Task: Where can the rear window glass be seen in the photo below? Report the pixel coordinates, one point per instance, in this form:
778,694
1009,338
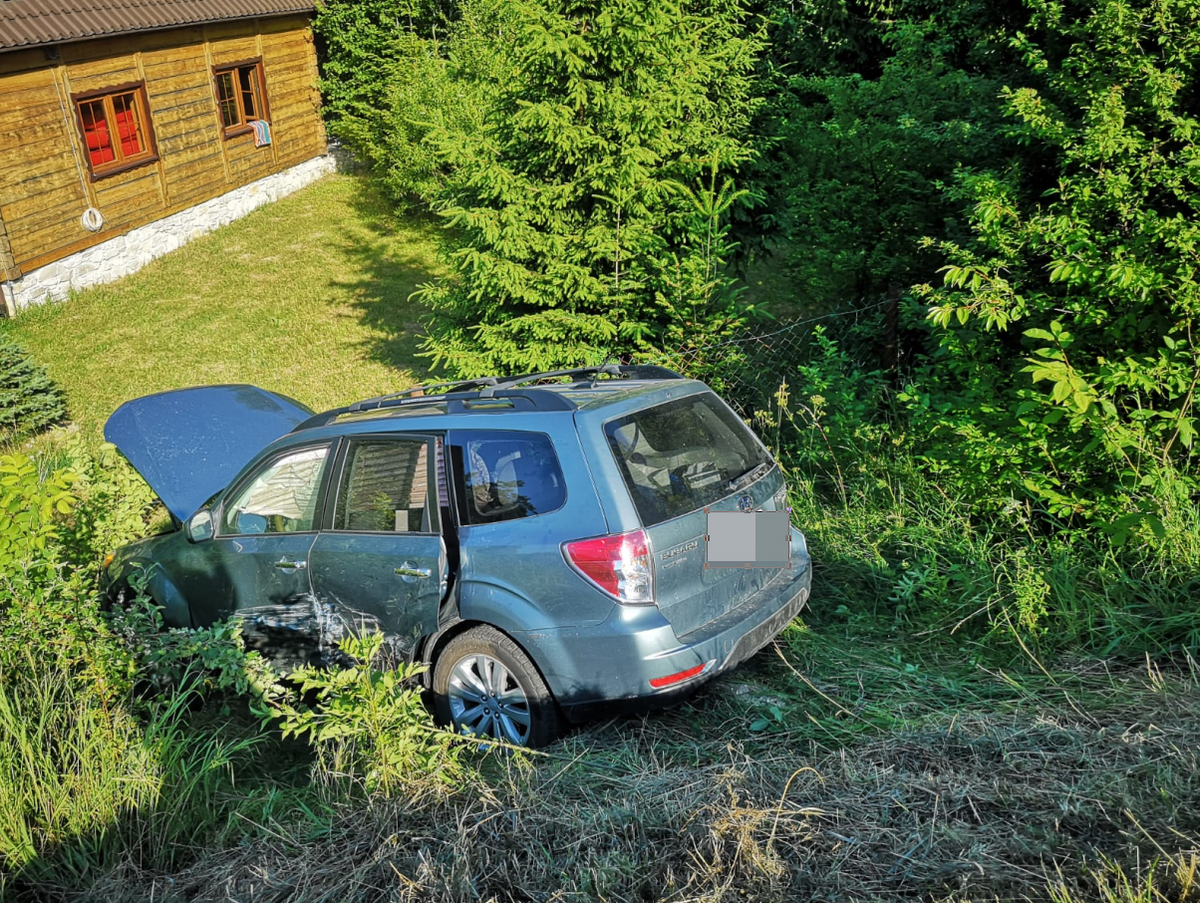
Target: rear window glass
682,455
504,474
385,488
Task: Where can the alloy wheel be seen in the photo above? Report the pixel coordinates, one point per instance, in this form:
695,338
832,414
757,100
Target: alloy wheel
486,699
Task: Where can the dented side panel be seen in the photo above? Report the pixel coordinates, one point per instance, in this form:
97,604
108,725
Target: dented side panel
392,582
250,573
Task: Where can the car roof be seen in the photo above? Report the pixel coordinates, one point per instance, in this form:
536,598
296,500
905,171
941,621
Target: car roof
563,391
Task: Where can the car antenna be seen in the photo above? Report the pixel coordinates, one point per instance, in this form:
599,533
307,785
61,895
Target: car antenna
599,370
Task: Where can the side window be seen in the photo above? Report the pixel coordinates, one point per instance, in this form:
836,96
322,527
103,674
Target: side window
116,128
241,96
282,498
502,475
385,488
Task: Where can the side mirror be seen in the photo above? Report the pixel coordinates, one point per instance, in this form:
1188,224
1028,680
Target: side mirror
199,526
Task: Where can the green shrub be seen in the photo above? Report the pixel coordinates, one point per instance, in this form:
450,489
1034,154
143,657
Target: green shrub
904,556
29,401
904,550
1067,359
204,660
112,503
88,769
31,511
833,412
370,723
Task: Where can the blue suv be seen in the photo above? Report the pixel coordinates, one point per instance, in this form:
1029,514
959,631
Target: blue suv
541,542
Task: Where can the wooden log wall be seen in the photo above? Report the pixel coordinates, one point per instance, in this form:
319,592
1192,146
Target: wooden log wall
45,184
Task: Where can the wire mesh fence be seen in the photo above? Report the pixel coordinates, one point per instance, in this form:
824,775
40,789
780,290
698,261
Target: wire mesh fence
749,368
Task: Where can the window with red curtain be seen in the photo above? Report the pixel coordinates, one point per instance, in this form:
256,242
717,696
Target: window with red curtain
115,127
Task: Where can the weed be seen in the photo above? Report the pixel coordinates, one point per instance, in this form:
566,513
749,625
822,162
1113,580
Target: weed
367,722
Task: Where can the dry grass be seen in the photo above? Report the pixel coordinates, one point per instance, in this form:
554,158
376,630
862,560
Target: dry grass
1052,788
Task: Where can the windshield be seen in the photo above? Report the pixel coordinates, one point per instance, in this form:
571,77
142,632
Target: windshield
683,455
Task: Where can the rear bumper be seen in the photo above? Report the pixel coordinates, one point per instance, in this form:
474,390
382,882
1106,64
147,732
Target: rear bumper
610,667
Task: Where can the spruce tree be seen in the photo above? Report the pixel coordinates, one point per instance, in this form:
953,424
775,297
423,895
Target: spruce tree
591,209
29,401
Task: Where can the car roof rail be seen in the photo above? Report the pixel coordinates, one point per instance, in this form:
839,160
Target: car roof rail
613,371
493,387
537,399
461,385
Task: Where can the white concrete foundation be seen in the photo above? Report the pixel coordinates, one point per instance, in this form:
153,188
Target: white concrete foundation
128,253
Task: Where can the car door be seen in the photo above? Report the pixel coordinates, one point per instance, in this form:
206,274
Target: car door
260,552
381,560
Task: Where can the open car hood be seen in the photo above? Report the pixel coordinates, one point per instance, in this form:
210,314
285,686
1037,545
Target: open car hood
188,444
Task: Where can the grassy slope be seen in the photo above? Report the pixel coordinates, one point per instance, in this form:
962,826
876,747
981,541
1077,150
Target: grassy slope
891,767
308,297
877,783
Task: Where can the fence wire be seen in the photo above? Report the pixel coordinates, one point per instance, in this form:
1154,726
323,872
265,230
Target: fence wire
748,369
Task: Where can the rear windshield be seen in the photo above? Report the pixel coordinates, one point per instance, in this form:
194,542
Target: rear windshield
682,455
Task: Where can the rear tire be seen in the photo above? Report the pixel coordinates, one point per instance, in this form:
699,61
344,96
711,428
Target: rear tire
485,684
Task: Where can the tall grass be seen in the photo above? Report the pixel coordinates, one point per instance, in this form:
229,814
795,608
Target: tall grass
1168,878
84,783
69,768
896,553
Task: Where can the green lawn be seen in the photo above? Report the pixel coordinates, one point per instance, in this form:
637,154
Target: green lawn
307,296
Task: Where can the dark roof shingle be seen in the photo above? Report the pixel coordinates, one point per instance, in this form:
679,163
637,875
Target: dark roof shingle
25,23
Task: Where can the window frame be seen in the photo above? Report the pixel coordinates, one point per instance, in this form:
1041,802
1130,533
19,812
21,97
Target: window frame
243,127
457,468
319,511
141,105
342,465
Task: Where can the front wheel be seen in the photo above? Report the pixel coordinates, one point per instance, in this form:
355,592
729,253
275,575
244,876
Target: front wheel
484,684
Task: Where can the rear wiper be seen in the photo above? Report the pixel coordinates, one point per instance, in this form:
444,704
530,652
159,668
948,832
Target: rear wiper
749,476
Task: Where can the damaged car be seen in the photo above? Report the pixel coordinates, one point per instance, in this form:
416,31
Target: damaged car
540,542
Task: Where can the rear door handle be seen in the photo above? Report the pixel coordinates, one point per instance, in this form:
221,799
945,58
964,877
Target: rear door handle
409,571
284,565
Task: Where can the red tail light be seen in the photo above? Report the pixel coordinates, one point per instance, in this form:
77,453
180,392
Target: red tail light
619,564
679,677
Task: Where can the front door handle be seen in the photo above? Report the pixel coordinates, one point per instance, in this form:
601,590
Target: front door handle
409,572
284,565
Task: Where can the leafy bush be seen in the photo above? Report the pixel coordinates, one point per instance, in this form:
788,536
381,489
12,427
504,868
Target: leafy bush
858,165
30,510
903,551
203,661
112,503
369,723
1067,359
835,408
29,401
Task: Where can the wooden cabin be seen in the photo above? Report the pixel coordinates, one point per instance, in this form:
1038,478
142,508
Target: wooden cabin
130,126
